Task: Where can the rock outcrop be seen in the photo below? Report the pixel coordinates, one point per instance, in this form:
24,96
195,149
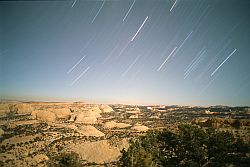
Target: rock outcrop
95,109
100,152
106,108
140,128
89,130
72,117
22,108
81,118
62,113
113,124
87,117
44,115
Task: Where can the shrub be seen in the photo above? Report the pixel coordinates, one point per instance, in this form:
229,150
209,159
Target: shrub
191,146
64,159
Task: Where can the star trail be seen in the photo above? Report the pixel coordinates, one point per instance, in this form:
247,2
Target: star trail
128,11
76,64
186,52
223,61
166,59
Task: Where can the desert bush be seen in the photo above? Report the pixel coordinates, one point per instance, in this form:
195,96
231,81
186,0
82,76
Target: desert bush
190,146
65,159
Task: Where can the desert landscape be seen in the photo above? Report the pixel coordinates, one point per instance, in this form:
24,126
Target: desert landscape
33,133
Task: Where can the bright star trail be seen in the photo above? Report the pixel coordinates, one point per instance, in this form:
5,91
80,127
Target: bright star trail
139,28
173,5
136,51
224,61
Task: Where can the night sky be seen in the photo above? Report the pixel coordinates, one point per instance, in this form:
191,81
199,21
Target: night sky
184,52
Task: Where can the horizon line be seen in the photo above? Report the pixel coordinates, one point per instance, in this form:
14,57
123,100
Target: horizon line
114,103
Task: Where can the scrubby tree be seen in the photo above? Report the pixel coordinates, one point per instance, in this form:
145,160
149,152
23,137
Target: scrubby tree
190,146
65,159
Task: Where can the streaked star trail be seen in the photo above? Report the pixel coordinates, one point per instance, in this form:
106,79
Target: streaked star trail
73,3
224,61
130,66
183,42
72,68
195,59
79,76
139,28
129,10
98,12
208,84
166,59
173,5
184,52
194,63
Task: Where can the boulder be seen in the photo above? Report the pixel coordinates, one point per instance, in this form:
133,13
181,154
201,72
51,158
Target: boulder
1,132
89,130
44,115
23,108
88,117
95,109
140,128
82,118
106,108
109,125
72,117
62,113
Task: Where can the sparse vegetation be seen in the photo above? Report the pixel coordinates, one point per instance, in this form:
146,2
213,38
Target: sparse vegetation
190,146
65,160
28,141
